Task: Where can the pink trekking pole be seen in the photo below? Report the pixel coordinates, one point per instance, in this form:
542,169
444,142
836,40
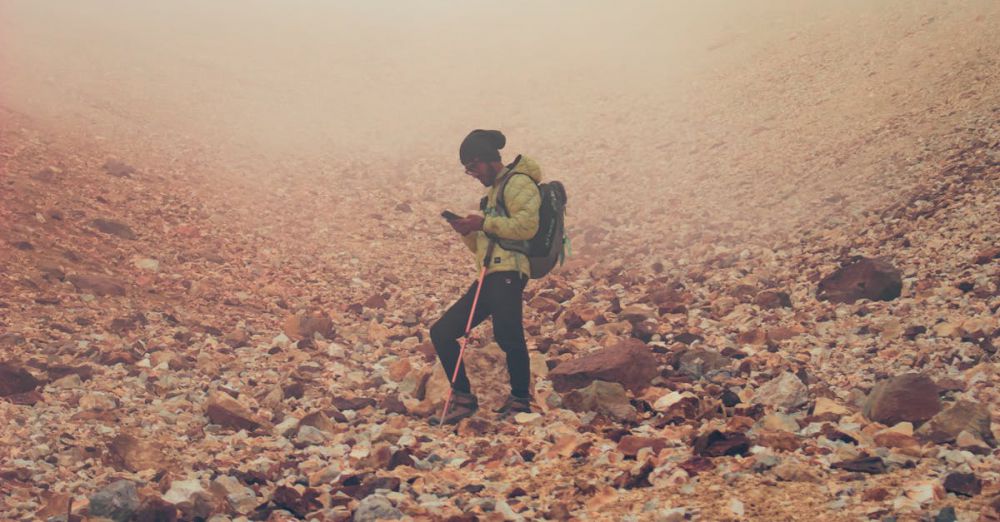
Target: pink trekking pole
468,328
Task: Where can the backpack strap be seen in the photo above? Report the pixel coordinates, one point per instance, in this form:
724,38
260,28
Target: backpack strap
509,173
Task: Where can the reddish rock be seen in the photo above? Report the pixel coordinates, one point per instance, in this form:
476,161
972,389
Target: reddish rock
629,363
781,333
544,304
427,350
237,338
645,330
97,284
669,300
285,497
114,228
561,294
630,445
987,255
910,397
118,169
320,421
778,440
875,495
870,465
128,452
226,411
863,279
965,484
696,465
16,380
375,301
755,337
573,320
718,444
771,299
306,324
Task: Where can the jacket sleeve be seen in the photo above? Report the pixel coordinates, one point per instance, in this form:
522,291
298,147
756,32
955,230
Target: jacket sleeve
523,200
470,240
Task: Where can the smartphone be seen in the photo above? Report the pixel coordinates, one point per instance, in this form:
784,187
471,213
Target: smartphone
450,216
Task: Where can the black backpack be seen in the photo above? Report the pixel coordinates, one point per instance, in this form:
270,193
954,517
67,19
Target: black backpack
548,245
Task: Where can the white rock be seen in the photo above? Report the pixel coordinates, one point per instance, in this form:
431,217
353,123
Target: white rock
98,401
240,498
736,507
924,492
668,400
310,435
785,391
69,382
671,515
147,264
184,491
532,418
825,405
286,427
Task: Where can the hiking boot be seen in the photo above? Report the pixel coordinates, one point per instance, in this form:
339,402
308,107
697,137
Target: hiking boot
462,405
514,405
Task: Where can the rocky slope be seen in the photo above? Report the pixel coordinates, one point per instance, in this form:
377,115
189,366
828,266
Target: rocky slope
800,261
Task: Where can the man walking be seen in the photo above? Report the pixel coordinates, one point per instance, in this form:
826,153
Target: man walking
493,238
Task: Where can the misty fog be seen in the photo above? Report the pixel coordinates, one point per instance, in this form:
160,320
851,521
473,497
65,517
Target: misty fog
726,116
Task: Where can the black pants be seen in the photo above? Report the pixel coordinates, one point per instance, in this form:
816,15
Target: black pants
501,299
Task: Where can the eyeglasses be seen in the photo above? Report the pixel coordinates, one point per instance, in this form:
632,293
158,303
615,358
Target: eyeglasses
469,166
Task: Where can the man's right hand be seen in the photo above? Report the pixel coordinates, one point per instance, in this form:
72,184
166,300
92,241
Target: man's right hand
461,226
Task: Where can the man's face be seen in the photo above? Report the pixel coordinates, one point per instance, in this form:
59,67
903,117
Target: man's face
481,170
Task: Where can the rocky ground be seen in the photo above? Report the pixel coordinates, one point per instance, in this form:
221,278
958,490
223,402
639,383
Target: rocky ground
783,303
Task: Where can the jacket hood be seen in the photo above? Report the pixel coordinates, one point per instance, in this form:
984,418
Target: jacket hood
526,165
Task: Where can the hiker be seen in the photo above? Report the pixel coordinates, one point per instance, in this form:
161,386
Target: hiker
507,272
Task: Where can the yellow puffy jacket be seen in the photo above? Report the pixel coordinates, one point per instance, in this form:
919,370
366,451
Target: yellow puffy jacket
522,199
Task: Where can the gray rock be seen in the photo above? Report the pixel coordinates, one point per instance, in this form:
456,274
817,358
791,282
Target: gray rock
119,501
376,507
698,363
607,398
785,391
961,416
309,436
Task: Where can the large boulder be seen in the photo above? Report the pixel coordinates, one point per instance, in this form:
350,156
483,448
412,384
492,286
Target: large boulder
911,397
14,380
629,363
862,279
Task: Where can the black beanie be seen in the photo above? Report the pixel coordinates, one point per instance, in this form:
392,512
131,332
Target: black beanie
481,144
